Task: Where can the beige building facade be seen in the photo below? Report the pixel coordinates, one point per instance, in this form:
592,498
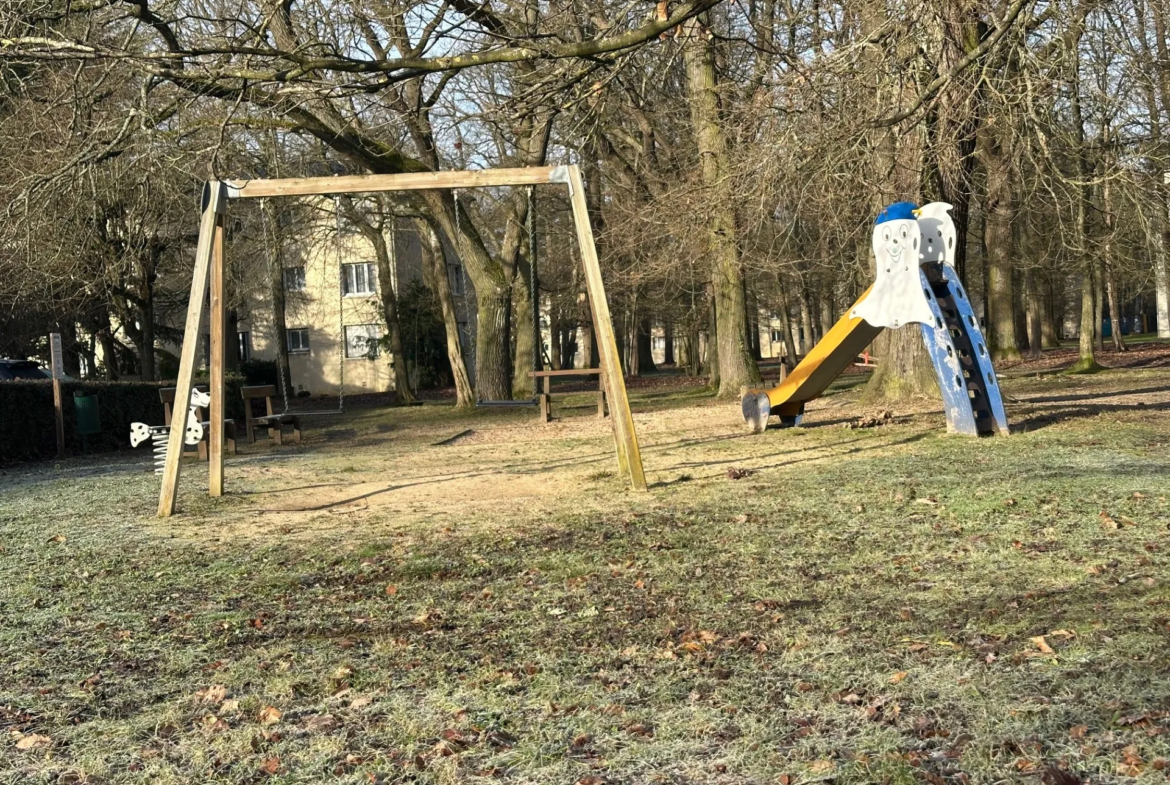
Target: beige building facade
334,313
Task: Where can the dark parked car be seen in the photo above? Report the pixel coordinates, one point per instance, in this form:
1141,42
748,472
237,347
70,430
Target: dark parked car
21,369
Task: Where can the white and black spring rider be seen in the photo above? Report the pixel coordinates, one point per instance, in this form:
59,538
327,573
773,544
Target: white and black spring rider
160,434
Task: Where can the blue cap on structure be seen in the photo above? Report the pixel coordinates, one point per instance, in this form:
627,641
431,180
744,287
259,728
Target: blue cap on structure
898,211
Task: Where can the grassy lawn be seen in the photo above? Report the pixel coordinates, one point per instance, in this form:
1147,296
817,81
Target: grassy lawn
387,603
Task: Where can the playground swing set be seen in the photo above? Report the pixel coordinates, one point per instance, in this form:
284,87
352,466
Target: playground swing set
209,274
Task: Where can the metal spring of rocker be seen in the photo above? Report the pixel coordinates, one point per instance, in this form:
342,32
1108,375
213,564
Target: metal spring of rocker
158,443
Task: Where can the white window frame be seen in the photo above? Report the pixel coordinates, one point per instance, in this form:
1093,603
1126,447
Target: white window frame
300,279
372,331
350,279
306,345
244,345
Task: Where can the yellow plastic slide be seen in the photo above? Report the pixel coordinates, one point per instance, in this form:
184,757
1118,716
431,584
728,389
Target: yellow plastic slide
824,363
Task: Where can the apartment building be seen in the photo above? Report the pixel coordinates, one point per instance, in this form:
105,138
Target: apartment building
334,315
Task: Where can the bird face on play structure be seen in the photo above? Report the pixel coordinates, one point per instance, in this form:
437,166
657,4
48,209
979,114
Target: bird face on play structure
897,297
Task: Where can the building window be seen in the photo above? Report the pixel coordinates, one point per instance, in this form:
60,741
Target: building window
361,341
294,279
776,336
244,341
455,277
357,279
298,340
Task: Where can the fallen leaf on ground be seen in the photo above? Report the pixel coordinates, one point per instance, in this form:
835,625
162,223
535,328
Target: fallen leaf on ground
1078,731
33,741
1042,645
391,590
1131,762
213,694
897,677
270,765
320,723
270,715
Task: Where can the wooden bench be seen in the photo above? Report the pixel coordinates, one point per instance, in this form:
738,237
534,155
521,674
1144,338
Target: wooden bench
273,422
167,396
544,398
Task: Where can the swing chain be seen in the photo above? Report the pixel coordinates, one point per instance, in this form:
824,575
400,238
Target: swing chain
275,335
534,281
340,300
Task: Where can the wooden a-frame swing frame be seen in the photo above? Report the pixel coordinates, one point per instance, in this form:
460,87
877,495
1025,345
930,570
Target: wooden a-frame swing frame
209,273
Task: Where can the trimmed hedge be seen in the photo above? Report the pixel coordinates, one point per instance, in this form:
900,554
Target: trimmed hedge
28,425
261,372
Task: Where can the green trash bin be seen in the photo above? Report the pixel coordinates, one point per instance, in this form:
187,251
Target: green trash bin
89,420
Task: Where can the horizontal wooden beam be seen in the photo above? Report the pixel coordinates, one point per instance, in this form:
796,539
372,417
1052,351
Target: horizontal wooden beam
565,372
420,181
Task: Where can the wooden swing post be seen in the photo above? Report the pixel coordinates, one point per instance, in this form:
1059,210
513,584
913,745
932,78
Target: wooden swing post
209,268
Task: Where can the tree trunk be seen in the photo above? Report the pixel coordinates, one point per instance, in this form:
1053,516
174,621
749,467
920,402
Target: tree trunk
1049,334
1110,284
713,367
998,239
735,364
753,325
806,330
645,346
434,257
668,343
386,253
1162,186
1162,267
524,342
493,296
790,354
145,342
276,292
109,354
694,367
904,368
1114,310
1098,306
231,355
826,304
1033,310
1087,361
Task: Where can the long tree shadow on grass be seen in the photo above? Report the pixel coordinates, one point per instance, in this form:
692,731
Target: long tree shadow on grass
1090,396
1044,419
437,479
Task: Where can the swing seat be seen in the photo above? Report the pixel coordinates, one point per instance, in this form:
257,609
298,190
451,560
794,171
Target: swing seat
273,422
